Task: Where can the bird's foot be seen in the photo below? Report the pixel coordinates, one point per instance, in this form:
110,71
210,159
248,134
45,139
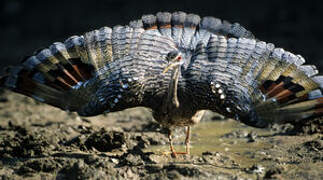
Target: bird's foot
175,154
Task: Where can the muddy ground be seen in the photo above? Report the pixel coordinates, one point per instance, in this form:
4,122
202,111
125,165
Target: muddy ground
41,142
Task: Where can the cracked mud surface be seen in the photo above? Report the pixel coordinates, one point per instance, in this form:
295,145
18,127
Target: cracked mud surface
38,141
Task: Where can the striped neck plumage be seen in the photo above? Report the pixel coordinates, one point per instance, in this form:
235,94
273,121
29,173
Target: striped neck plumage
176,61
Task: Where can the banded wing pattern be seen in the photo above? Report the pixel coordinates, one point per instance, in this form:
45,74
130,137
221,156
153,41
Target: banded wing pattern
92,73
256,82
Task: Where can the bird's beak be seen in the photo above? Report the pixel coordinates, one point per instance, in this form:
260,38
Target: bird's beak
174,64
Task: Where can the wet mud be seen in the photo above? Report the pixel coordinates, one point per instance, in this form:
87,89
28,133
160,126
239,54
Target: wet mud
41,142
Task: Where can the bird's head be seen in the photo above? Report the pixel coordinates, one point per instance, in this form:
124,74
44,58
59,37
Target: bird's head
175,60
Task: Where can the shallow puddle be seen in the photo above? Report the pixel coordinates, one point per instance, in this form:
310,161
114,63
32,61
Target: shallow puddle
226,137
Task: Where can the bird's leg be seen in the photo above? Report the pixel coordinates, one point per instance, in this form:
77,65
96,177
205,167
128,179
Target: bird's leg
173,153
187,139
187,142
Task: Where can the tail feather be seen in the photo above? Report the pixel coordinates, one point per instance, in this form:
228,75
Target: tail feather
164,23
188,29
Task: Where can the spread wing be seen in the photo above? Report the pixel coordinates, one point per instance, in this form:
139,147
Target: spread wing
112,69
101,71
254,82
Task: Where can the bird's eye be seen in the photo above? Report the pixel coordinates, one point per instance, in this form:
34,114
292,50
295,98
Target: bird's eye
172,55
179,58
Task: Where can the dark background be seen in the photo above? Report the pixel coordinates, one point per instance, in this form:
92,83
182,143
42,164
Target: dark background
27,25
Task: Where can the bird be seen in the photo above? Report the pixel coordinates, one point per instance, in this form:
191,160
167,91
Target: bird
178,65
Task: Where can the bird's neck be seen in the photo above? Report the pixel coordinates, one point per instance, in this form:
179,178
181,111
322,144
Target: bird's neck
172,98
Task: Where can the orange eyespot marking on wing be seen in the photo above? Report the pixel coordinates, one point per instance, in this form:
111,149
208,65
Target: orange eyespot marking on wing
165,26
152,27
178,26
